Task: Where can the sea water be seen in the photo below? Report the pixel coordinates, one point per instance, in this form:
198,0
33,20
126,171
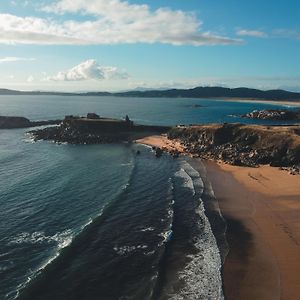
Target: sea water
100,221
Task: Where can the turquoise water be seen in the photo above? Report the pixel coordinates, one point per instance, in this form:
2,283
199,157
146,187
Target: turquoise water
99,221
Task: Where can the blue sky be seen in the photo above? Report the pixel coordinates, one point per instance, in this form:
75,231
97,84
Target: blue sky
77,45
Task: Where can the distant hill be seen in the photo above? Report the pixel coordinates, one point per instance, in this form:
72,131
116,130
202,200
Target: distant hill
217,92
198,92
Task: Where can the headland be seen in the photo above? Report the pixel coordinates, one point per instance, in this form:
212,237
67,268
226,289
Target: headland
22,122
94,129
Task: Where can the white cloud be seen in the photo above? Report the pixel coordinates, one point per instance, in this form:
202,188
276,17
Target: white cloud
252,33
30,79
87,70
14,59
108,22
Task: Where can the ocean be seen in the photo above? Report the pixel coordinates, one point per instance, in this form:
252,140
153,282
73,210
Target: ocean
100,221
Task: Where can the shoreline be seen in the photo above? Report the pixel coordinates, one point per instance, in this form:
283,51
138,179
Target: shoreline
262,209
272,102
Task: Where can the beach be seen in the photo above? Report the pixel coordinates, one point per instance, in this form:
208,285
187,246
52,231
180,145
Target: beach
273,102
262,206
262,210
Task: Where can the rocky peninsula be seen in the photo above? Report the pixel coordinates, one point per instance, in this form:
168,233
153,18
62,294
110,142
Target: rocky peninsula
94,129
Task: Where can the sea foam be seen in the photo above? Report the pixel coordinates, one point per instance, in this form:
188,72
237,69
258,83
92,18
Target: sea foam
62,239
202,274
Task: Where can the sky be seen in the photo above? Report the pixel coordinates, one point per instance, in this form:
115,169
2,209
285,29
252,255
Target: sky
116,45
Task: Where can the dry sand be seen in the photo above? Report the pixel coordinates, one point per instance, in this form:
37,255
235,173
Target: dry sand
163,142
262,209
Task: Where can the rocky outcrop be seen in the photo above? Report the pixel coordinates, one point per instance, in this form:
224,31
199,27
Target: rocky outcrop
244,145
21,122
76,130
273,114
13,122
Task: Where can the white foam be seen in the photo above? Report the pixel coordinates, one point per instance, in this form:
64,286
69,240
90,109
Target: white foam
148,229
127,164
63,238
123,250
166,235
202,274
187,180
197,180
29,138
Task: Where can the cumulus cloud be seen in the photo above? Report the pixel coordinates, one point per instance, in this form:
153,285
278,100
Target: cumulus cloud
108,22
14,59
87,70
252,33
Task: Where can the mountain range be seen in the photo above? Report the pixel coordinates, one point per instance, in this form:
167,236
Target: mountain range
198,92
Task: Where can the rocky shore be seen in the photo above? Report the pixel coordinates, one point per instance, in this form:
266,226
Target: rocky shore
95,130
273,114
242,145
21,122
235,144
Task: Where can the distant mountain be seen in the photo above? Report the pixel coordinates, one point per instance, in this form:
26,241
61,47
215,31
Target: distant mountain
14,92
217,92
198,92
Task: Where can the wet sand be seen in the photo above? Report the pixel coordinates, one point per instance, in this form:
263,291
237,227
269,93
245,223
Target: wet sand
262,210
262,206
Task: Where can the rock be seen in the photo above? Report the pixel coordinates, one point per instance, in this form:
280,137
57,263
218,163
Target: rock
241,144
92,116
273,114
158,152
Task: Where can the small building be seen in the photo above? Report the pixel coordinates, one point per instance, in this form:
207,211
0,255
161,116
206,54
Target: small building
92,116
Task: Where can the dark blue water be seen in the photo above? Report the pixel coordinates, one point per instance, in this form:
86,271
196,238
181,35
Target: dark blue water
99,221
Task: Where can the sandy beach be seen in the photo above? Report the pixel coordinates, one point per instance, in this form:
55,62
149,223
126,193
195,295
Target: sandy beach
262,207
273,102
262,210
163,142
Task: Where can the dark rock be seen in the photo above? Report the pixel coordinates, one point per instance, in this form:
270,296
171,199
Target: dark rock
158,152
13,122
273,114
92,116
240,144
21,122
76,130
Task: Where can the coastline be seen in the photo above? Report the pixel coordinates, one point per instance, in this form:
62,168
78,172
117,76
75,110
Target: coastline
273,102
262,210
